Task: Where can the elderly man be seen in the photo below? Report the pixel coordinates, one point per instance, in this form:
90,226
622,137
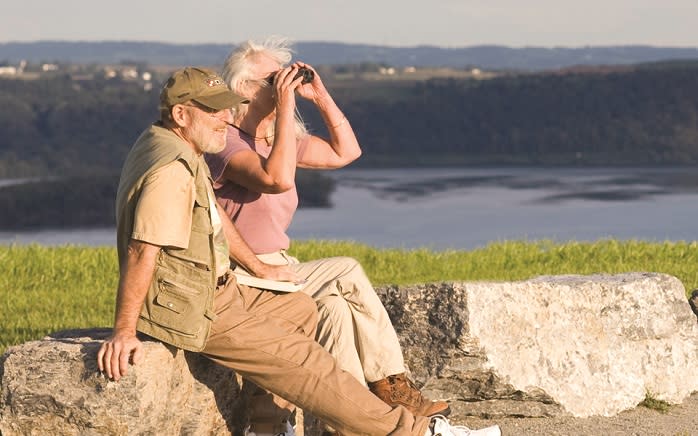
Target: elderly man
175,285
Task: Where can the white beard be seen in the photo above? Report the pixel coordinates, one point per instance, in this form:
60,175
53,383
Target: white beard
212,148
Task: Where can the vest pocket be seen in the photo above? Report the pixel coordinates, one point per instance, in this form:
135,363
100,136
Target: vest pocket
173,308
179,300
171,301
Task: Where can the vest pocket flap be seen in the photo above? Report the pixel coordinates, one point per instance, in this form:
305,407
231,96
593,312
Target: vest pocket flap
180,275
172,301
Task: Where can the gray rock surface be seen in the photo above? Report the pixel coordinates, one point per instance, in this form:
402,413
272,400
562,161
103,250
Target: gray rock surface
53,387
548,347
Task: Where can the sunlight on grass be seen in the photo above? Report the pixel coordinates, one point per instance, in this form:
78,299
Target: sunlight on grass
513,260
45,289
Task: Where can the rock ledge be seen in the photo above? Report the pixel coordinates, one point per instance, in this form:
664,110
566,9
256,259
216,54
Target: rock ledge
551,346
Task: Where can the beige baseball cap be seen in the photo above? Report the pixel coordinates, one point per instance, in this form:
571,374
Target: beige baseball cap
202,85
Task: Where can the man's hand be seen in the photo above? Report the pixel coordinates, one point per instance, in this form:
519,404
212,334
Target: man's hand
117,352
280,273
123,346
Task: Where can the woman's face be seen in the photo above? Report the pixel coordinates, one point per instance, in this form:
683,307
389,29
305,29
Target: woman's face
261,92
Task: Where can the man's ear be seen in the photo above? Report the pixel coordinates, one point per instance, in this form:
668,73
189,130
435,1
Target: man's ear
179,115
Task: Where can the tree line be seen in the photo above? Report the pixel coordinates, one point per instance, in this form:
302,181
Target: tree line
642,115
646,115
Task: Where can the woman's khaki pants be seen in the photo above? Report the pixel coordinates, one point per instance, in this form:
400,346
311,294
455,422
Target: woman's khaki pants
353,324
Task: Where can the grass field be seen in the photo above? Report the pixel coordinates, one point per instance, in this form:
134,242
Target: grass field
45,289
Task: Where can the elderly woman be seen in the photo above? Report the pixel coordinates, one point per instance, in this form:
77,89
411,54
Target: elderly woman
254,181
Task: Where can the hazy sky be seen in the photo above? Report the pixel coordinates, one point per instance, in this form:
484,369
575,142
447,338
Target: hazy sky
446,23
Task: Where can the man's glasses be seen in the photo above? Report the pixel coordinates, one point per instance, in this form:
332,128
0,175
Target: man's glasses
214,113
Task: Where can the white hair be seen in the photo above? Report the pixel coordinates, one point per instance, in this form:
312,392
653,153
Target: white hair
237,70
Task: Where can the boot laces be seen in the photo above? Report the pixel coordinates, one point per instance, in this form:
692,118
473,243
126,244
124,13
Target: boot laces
402,388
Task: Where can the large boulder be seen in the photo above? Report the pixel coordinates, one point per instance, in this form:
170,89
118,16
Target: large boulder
551,346
53,386
556,345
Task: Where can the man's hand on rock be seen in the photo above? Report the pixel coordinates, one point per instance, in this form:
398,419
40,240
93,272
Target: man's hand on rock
117,352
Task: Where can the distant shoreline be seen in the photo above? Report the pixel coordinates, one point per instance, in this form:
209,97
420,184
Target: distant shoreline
488,56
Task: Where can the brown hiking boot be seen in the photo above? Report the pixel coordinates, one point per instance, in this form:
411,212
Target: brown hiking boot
399,390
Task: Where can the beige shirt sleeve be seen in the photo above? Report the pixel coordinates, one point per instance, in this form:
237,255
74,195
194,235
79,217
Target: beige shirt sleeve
164,210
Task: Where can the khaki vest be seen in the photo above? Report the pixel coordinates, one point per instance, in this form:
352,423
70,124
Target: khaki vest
178,308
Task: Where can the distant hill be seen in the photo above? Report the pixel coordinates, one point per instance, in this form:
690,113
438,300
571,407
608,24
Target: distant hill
623,115
333,53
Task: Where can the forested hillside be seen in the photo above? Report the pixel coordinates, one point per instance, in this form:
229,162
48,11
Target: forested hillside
646,115
59,126
642,115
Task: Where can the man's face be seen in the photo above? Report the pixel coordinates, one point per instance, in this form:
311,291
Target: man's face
207,127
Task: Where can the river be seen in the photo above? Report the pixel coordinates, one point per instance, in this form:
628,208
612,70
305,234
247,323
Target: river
465,208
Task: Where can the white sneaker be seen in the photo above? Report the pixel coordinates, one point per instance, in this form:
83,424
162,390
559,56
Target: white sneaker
440,426
288,432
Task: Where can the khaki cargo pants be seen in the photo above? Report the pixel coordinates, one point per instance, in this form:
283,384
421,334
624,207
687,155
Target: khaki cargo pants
267,338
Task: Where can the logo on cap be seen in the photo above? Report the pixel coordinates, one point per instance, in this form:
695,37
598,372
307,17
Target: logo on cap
216,81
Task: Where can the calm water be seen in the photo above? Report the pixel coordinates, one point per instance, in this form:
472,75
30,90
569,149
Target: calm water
468,208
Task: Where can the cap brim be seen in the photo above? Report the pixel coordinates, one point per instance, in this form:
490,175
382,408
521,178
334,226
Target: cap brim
222,100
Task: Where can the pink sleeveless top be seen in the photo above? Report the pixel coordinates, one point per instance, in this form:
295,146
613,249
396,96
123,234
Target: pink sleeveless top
261,219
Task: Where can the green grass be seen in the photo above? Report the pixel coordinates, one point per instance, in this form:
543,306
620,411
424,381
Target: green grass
514,260
45,289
